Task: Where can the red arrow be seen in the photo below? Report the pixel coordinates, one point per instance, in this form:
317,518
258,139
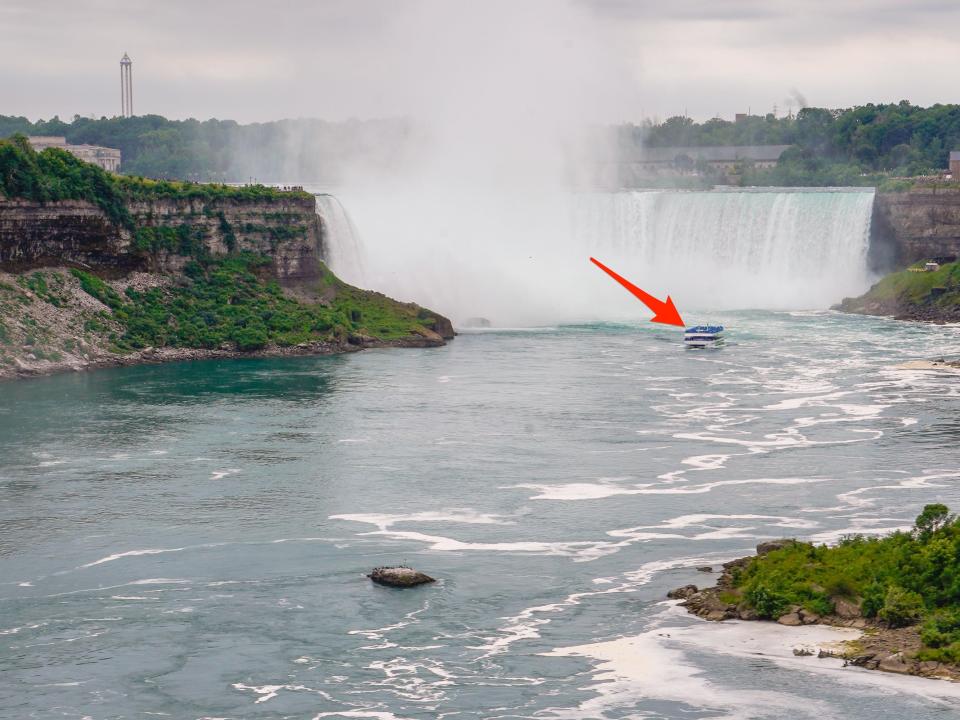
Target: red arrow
663,312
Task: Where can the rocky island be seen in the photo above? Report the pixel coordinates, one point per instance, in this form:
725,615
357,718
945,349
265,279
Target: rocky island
101,270
901,591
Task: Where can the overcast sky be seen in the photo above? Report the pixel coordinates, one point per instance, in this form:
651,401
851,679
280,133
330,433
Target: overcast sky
253,60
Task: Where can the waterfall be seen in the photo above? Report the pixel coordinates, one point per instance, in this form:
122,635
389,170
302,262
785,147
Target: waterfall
523,258
343,250
758,247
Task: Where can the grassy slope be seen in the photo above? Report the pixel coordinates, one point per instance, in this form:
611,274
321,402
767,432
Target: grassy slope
902,579
903,291
56,318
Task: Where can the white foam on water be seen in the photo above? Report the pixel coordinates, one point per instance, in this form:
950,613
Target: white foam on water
921,482
580,551
220,474
701,520
409,619
750,640
403,678
375,714
595,491
268,692
148,551
15,630
524,625
638,668
455,515
657,665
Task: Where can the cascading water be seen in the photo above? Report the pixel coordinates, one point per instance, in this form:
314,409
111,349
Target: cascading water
341,240
724,249
522,258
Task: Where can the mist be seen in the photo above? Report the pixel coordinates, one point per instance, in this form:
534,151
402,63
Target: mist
488,207
475,220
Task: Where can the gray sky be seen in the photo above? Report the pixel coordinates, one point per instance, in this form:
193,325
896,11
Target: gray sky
253,60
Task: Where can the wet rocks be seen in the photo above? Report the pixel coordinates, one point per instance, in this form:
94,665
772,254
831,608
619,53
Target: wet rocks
682,593
895,663
705,568
792,619
399,577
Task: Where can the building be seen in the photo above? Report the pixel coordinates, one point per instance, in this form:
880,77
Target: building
955,164
719,157
107,158
642,164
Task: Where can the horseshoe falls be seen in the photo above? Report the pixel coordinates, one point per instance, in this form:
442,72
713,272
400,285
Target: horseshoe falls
524,260
738,249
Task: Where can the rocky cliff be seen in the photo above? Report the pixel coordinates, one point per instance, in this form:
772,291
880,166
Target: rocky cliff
918,224
172,278
166,233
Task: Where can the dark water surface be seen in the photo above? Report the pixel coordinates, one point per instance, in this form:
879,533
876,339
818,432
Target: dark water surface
189,541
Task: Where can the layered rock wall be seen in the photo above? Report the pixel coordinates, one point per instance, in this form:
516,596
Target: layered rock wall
287,230
918,224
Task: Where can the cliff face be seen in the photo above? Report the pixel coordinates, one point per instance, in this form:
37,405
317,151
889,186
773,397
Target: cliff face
182,278
919,224
34,235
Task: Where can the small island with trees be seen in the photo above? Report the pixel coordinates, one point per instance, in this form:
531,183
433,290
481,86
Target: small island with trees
902,591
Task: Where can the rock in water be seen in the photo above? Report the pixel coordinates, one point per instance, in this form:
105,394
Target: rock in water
682,593
399,577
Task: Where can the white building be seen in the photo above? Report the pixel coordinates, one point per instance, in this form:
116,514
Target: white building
107,158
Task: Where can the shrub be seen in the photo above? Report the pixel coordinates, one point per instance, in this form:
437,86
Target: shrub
901,607
873,598
941,629
767,603
251,337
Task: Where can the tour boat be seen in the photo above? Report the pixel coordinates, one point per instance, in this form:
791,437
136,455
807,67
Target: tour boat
703,336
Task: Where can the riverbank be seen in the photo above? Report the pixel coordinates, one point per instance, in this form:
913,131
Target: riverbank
154,356
880,645
62,319
912,294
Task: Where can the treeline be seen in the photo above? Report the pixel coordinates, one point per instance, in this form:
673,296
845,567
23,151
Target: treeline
854,146
284,151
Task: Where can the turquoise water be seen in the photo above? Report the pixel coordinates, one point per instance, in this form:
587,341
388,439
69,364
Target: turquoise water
190,540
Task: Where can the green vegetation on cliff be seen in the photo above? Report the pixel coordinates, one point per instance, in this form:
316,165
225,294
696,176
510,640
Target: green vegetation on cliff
55,174
903,579
231,301
913,294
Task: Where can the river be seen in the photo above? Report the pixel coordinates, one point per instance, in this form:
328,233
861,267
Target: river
190,540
